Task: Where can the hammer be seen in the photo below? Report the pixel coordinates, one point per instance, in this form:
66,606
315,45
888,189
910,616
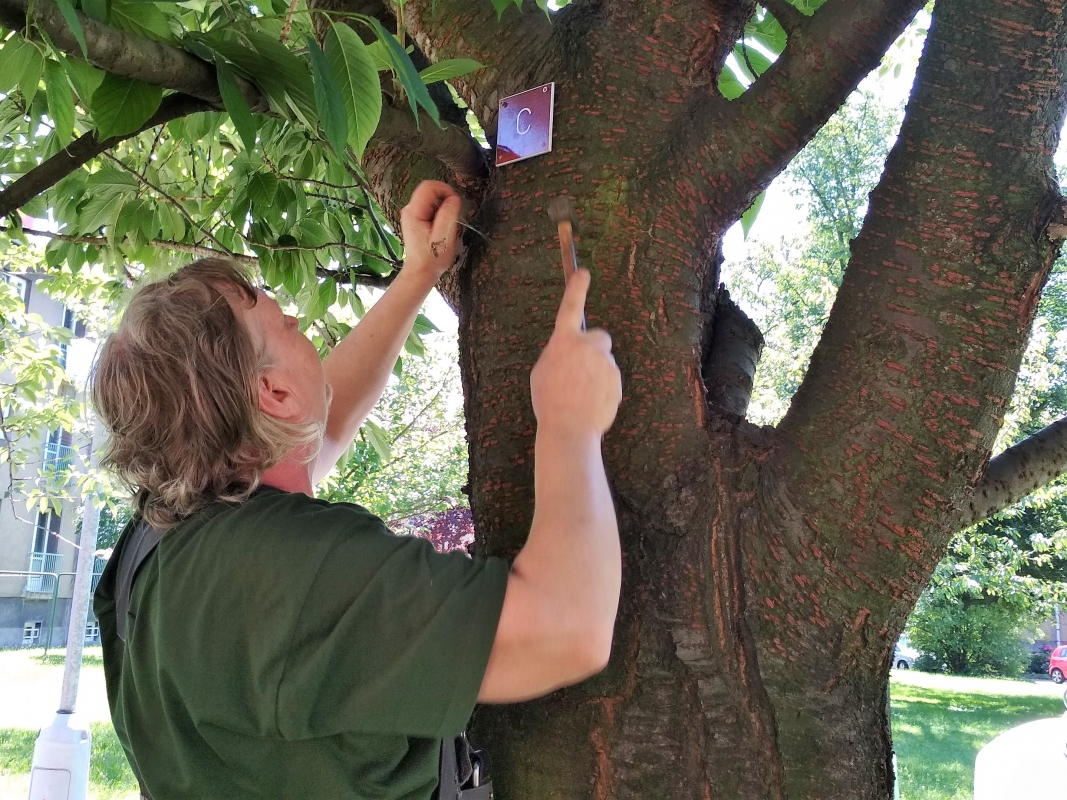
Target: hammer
561,212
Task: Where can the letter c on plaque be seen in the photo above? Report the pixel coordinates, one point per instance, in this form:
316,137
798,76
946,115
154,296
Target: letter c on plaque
518,123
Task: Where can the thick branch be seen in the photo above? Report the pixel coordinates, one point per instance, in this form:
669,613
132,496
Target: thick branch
787,15
452,146
377,281
162,65
826,57
729,365
1018,471
85,148
124,54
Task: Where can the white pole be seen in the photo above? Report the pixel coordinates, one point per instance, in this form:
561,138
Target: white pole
60,768
1057,618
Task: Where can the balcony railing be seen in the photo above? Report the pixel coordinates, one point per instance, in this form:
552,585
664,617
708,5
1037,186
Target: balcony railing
57,456
43,562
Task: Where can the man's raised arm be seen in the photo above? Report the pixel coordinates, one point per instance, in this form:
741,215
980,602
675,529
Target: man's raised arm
358,368
562,594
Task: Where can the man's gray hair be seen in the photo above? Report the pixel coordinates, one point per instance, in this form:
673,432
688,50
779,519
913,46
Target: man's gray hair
177,386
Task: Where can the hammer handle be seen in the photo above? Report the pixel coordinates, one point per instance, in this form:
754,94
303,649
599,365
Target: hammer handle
570,256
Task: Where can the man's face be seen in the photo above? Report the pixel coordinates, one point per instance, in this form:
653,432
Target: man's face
295,364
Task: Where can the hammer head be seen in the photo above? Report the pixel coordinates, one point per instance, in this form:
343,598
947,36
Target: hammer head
560,210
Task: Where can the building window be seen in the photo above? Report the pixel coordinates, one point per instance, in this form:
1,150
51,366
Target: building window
18,283
58,451
31,633
92,632
45,556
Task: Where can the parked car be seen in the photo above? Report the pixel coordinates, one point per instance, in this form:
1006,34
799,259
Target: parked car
1057,664
904,655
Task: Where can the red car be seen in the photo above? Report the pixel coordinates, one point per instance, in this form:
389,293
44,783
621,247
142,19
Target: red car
1057,664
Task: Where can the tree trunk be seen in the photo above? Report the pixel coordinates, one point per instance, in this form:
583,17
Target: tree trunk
767,573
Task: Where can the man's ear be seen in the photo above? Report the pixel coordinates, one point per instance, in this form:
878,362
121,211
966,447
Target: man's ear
277,400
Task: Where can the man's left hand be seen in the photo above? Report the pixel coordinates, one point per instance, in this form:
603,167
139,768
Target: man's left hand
430,228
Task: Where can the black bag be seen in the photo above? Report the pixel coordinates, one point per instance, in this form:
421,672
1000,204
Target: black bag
464,772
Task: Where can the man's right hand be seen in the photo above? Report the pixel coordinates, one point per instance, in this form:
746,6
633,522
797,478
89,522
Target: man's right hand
576,383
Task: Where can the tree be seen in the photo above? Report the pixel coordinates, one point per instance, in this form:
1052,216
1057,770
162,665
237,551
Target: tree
768,571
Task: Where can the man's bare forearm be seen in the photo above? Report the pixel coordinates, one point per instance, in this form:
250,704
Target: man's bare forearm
358,368
559,610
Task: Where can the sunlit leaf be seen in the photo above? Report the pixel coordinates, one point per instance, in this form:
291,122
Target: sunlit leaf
448,69
357,78
70,16
60,101
237,106
749,217
328,100
405,71
121,105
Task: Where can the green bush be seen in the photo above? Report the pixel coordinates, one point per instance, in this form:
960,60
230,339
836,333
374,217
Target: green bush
970,637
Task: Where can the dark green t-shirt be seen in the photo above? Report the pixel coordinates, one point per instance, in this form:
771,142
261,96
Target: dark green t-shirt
291,648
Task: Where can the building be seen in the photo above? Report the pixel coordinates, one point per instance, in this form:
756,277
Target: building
38,552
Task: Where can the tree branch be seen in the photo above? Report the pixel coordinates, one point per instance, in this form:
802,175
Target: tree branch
759,133
730,358
84,149
1018,471
125,54
787,15
375,281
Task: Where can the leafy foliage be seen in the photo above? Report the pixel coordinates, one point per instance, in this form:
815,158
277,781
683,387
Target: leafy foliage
968,637
410,464
284,187
37,396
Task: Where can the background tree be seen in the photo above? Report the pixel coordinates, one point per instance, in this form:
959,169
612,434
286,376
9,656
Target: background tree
768,571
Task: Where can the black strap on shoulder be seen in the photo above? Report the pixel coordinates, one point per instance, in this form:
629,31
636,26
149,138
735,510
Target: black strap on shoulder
143,540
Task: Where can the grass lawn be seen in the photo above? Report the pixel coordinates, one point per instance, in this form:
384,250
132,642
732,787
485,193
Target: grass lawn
31,688
940,722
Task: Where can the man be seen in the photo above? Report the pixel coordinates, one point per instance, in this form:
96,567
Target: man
280,646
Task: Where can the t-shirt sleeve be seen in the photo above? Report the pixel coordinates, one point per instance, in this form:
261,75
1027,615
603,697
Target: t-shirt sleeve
393,638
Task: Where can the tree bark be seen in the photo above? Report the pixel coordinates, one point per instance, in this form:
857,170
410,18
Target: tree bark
767,573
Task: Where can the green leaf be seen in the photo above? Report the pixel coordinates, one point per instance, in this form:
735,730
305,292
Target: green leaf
235,103
759,62
405,71
729,86
99,209
328,100
448,69
379,439
111,181
85,78
379,55
12,61
502,5
262,188
121,105
423,325
141,19
413,344
135,221
97,9
60,101
71,18
32,67
281,75
357,77
749,217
